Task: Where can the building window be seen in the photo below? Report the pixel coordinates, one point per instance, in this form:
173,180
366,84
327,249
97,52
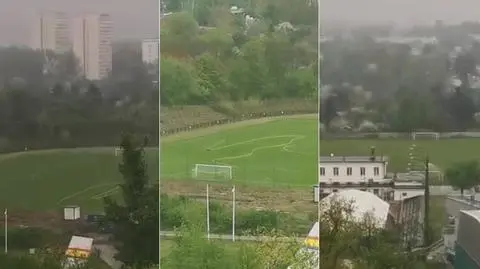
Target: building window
404,194
322,171
349,171
376,171
335,190
335,171
375,191
362,171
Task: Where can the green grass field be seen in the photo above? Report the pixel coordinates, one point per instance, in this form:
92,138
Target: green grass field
442,153
277,152
47,180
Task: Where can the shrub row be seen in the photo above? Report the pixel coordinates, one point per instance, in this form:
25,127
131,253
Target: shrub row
178,210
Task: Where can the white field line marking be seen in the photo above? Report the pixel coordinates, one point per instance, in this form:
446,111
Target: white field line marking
255,140
85,190
106,193
216,144
295,137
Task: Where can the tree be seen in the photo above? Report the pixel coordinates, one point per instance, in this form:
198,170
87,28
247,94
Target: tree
135,219
462,109
345,239
464,66
464,175
192,250
179,84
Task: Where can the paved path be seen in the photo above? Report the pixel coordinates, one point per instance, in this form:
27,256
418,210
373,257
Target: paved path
107,254
168,234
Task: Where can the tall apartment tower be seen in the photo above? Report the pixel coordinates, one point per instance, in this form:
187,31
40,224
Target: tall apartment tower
92,44
150,50
51,31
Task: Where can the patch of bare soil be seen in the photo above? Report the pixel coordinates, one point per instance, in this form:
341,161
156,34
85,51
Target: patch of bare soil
284,199
48,220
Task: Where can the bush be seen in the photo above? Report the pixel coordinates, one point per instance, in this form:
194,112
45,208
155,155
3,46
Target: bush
177,211
253,220
26,238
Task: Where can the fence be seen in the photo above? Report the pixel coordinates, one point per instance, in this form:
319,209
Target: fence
249,116
391,135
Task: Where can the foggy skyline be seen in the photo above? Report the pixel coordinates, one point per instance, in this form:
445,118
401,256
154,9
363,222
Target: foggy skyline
132,19
401,12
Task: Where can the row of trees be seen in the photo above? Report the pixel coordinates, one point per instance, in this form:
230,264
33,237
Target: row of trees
60,109
397,88
464,175
236,59
190,249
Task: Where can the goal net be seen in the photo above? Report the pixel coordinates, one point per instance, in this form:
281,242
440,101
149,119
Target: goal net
212,172
425,135
118,151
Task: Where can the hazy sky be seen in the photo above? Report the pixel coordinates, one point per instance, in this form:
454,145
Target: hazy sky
404,12
132,18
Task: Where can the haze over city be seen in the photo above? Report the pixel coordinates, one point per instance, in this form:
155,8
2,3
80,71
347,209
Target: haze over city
401,12
132,19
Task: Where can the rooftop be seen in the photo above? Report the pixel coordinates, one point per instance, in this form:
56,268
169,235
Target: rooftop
472,213
363,203
353,159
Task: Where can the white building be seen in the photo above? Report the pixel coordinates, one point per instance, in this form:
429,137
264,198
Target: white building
365,173
51,31
150,51
92,44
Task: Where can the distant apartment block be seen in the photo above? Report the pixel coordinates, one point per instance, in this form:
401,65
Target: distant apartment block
51,31
92,44
150,50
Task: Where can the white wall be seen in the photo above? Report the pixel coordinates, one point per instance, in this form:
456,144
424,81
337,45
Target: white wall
401,194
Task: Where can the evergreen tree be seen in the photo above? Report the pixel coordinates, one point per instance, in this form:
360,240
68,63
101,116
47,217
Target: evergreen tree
135,220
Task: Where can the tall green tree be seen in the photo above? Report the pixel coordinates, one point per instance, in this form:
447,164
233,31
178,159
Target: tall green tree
464,175
135,218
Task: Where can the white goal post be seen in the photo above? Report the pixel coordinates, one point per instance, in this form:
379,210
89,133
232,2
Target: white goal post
118,151
432,135
212,172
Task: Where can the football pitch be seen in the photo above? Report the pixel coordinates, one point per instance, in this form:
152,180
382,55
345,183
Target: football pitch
277,152
443,153
51,179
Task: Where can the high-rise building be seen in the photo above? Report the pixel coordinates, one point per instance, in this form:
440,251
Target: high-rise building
51,31
92,44
150,50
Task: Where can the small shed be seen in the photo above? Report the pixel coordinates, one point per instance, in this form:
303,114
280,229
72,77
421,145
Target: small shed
71,212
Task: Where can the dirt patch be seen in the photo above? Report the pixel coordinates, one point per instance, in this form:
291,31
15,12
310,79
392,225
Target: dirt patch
284,199
28,218
240,124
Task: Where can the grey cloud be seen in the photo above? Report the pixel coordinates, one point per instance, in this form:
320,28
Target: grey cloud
404,12
132,18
